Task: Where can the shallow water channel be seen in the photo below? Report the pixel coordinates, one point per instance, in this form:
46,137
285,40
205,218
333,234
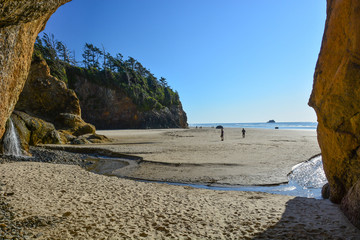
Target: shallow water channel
305,180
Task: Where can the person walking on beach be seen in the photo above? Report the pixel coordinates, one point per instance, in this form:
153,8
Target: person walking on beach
222,134
243,132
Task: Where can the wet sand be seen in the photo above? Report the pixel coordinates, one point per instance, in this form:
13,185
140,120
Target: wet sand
72,203
263,157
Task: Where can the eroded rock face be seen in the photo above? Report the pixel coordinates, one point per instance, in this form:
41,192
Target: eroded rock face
111,108
34,131
48,98
336,96
350,204
49,113
20,23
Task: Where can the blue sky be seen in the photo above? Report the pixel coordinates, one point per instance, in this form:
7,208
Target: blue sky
230,60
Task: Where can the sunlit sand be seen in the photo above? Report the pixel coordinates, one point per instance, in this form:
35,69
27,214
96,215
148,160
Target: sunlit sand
84,205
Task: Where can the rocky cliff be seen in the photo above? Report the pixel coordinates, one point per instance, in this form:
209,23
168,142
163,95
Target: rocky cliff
336,100
109,107
48,98
47,112
20,23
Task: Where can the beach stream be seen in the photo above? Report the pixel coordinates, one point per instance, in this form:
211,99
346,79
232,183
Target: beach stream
305,180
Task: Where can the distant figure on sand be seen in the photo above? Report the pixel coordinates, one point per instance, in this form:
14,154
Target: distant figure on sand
222,134
243,132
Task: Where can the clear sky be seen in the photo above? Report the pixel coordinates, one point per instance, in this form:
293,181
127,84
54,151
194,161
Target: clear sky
230,60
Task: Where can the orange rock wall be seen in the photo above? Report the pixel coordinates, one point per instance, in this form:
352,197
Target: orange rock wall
20,23
336,96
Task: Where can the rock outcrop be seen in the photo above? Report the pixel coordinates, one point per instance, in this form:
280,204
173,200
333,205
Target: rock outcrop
336,100
111,108
34,131
336,96
49,113
350,204
48,98
20,23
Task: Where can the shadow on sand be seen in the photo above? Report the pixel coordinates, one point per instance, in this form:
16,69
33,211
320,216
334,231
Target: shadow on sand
306,218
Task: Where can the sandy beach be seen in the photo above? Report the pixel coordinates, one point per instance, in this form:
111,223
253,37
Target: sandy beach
57,201
199,156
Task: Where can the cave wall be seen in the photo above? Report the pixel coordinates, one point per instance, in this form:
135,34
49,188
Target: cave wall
336,96
20,23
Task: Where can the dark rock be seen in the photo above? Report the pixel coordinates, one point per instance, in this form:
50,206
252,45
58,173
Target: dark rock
80,140
325,191
74,124
350,204
41,132
96,138
66,214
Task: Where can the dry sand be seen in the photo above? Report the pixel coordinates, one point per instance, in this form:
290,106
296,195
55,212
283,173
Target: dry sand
77,204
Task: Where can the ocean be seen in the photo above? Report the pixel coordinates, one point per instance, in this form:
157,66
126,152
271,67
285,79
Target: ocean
280,125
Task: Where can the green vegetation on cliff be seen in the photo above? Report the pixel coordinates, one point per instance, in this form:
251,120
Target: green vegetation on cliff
100,67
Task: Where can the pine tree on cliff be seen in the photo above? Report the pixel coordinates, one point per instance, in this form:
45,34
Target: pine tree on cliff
64,52
163,82
145,90
91,56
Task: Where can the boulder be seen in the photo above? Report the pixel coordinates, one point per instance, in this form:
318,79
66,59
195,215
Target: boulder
73,124
20,23
336,96
325,191
350,204
34,130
